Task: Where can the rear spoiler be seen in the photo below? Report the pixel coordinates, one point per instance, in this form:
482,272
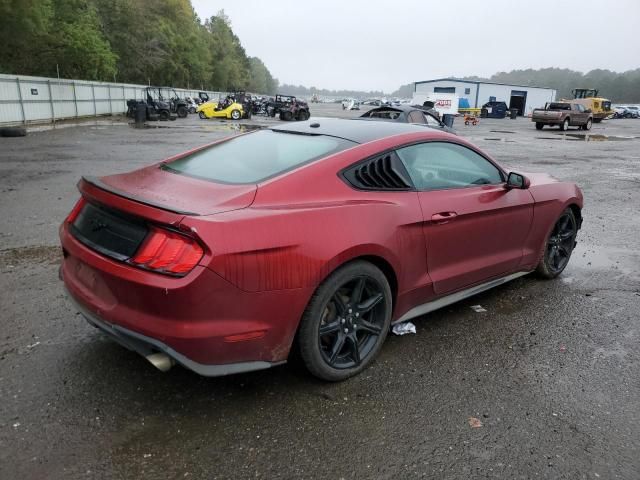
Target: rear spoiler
96,182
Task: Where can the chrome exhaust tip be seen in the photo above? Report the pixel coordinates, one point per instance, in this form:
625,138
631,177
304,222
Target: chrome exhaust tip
161,361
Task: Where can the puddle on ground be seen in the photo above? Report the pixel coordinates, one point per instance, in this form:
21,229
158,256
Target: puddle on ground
220,127
501,140
589,137
95,124
591,258
501,131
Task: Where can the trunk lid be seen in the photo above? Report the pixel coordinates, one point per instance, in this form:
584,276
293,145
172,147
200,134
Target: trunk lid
175,193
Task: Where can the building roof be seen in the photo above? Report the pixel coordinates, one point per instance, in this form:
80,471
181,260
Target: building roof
477,82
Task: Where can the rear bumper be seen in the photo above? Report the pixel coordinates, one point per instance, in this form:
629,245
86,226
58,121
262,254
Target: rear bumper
547,121
201,321
146,346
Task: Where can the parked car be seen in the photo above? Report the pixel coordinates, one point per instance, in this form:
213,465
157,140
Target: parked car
494,110
407,114
318,236
634,110
350,104
563,114
225,108
288,107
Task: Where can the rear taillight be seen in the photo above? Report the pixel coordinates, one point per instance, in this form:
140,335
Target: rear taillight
164,251
75,211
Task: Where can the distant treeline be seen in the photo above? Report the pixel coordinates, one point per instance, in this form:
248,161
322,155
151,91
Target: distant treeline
621,87
134,41
299,90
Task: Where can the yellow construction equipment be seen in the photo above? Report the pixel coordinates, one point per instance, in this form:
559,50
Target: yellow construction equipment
588,97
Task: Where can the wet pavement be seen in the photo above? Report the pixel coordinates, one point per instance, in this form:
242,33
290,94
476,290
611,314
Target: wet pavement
544,384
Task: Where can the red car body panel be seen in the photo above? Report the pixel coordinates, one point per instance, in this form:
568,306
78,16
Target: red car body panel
267,247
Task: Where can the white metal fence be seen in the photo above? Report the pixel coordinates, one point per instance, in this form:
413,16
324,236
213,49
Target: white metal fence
26,100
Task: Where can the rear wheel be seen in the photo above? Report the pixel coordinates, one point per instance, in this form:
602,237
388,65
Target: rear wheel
346,322
559,246
182,111
539,125
236,115
164,115
564,125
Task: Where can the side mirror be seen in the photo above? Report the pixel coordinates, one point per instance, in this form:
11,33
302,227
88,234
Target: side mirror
516,180
588,110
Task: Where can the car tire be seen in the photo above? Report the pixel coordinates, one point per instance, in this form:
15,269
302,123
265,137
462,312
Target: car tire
303,115
192,110
587,126
164,115
236,115
340,333
539,125
202,115
558,245
564,125
13,132
286,116
182,112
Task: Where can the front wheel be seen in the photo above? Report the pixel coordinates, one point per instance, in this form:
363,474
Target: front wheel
346,322
202,115
182,112
559,245
539,125
236,115
587,126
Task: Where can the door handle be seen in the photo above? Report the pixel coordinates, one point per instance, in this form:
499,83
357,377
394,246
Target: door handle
443,217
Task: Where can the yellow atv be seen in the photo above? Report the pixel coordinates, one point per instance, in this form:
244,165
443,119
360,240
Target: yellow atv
231,109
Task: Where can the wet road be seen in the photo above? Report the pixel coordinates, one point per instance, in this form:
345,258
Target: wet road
544,384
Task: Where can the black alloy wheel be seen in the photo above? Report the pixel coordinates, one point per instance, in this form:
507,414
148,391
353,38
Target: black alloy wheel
346,322
559,246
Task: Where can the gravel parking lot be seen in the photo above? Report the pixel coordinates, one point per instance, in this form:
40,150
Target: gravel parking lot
544,384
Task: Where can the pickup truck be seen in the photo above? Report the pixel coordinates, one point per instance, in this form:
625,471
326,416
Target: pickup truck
563,114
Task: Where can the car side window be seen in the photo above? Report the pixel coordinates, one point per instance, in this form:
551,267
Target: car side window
416,117
579,107
441,165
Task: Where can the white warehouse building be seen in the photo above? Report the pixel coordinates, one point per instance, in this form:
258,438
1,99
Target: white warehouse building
524,98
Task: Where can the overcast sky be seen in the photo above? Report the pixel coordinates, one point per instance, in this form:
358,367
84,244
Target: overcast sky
381,44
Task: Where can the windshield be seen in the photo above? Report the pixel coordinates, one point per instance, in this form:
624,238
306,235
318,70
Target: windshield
558,106
257,156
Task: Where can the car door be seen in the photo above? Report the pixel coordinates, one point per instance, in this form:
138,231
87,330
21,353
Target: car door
578,117
475,228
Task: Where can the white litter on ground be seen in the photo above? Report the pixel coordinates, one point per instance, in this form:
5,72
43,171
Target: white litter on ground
404,328
478,308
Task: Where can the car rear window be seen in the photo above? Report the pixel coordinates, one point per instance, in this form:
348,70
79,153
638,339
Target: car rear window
559,106
257,156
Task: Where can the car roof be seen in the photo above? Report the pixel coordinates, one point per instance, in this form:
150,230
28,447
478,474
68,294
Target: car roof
400,108
348,129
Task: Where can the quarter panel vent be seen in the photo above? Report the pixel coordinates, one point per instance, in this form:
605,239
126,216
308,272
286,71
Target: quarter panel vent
385,172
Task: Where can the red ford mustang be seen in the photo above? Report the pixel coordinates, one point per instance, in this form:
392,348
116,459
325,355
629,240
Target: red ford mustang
313,236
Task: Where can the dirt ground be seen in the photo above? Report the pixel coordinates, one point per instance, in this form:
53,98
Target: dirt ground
544,384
